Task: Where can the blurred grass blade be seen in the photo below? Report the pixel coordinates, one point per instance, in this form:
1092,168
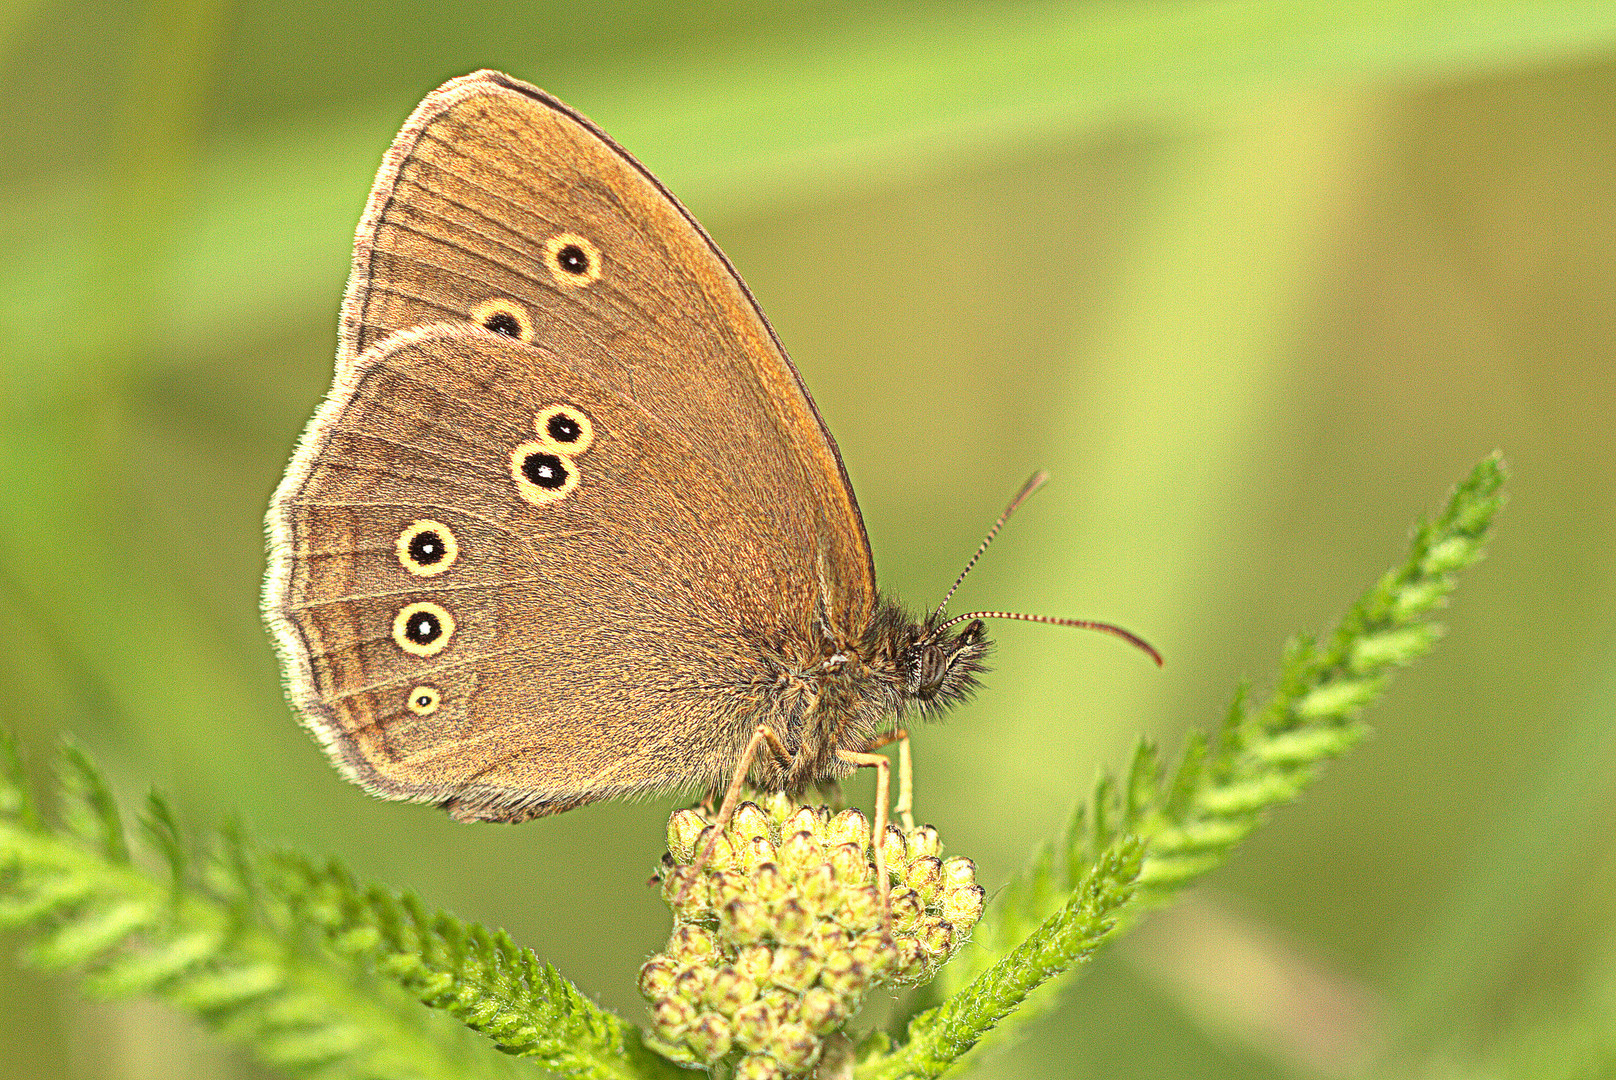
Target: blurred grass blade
1548,825
887,95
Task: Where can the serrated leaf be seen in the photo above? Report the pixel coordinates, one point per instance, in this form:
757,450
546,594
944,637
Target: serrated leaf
1256,761
1342,698
144,971
228,988
91,811
88,935
40,898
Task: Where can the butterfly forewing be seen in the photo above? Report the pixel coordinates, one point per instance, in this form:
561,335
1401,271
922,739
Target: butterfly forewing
487,203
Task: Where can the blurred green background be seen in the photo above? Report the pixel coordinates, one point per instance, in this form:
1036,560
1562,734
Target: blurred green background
1256,281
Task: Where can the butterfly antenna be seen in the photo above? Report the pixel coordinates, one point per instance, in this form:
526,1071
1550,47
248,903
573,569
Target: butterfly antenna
1082,624
1033,483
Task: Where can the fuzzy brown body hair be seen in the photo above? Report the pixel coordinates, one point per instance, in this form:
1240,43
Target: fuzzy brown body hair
839,697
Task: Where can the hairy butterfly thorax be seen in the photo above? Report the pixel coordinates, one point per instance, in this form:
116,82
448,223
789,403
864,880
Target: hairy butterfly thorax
859,692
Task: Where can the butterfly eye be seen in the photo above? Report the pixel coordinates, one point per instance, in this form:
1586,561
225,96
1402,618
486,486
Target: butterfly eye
423,700
542,475
565,428
573,261
504,317
426,548
423,629
933,666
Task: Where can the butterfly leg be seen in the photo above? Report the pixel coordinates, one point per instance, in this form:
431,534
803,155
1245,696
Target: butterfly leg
763,736
883,792
905,806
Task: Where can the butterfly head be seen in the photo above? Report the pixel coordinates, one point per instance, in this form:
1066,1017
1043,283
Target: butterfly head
942,666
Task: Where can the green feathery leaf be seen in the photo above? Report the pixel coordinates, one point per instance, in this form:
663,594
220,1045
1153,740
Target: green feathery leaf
213,948
1185,825
941,1036
163,827
89,810
478,976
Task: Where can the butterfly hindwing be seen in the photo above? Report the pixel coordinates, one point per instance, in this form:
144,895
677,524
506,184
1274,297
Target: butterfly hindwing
567,646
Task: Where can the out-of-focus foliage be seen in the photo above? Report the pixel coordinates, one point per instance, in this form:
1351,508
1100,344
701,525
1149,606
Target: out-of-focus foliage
1252,279
232,945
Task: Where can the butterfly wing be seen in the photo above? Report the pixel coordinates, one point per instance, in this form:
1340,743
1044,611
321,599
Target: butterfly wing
485,194
616,637
610,635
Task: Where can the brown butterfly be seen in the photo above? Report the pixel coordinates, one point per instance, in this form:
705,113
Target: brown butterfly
569,526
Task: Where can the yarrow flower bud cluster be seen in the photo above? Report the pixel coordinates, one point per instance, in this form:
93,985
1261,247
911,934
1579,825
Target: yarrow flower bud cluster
777,941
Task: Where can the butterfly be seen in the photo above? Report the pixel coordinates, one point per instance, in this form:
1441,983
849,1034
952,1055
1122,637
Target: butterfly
569,526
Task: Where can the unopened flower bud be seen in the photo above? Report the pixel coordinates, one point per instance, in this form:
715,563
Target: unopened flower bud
709,1037
795,968
724,886
769,885
672,1015
781,1003
690,944
925,876
925,841
829,938
759,1067
803,820
752,1025
906,908
895,847
728,990
755,851
744,921
850,863
875,951
723,856
936,936
910,960
958,871
849,827
685,893
861,908
800,852
821,1010
691,983
755,962
844,976
748,821
656,977
683,828
794,1047
792,922
818,889
963,906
